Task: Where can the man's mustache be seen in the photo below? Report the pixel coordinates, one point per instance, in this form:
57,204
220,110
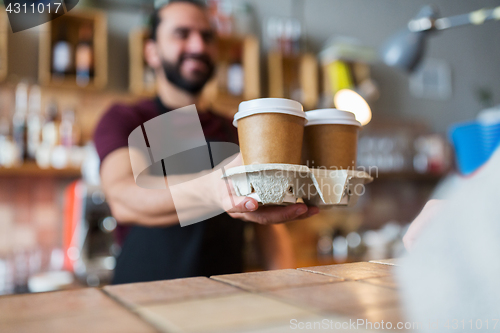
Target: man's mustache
200,57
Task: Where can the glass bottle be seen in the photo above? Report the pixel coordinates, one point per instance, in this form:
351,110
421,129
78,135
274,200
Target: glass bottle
61,54
84,56
19,121
34,121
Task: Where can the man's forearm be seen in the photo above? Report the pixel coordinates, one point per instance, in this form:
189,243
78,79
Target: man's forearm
189,197
133,204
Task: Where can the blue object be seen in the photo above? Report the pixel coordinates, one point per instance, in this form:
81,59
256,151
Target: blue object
474,144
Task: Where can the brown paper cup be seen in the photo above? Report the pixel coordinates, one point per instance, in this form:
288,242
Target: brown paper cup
271,138
331,146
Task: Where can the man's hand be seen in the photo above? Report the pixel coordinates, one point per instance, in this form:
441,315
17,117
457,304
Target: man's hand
430,210
247,209
272,214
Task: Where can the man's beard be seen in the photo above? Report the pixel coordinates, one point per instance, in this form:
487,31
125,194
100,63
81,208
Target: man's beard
173,73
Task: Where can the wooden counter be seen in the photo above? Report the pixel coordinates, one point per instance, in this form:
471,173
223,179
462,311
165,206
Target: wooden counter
271,301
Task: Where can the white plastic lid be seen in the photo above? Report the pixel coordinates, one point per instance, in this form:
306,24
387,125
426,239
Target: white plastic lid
268,105
331,116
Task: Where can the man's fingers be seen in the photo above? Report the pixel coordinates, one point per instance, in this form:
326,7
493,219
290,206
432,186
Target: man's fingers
248,209
234,204
277,214
313,210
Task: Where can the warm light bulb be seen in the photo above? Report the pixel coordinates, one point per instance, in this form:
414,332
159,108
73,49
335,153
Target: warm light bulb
349,100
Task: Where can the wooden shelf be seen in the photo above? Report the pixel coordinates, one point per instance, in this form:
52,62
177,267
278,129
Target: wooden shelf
31,169
72,21
300,70
216,94
137,64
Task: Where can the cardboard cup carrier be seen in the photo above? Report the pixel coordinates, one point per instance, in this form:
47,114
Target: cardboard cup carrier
331,139
270,130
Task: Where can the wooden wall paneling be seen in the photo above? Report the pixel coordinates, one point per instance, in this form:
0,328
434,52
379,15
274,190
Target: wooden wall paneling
3,43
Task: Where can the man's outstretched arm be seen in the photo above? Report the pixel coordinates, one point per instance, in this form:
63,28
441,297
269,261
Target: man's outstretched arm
131,203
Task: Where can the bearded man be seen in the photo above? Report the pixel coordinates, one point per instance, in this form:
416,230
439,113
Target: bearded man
182,51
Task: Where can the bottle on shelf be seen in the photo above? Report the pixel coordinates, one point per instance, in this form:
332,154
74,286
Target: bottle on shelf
235,79
66,129
243,19
62,55
220,12
235,73
66,153
50,128
8,152
70,140
50,136
34,121
19,121
284,35
84,56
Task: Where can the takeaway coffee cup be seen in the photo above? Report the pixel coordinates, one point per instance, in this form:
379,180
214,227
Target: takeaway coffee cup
270,130
331,139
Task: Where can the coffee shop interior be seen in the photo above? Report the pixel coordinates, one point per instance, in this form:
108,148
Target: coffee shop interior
56,229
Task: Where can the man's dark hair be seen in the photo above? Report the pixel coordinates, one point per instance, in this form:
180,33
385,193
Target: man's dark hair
155,19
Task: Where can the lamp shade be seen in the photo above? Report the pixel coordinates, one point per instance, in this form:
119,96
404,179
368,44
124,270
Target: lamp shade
406,48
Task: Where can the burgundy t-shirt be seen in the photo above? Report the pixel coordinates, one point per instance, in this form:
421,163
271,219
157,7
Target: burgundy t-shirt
207,248
120,120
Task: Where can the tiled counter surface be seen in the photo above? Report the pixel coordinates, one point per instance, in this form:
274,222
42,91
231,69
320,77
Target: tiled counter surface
248,302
